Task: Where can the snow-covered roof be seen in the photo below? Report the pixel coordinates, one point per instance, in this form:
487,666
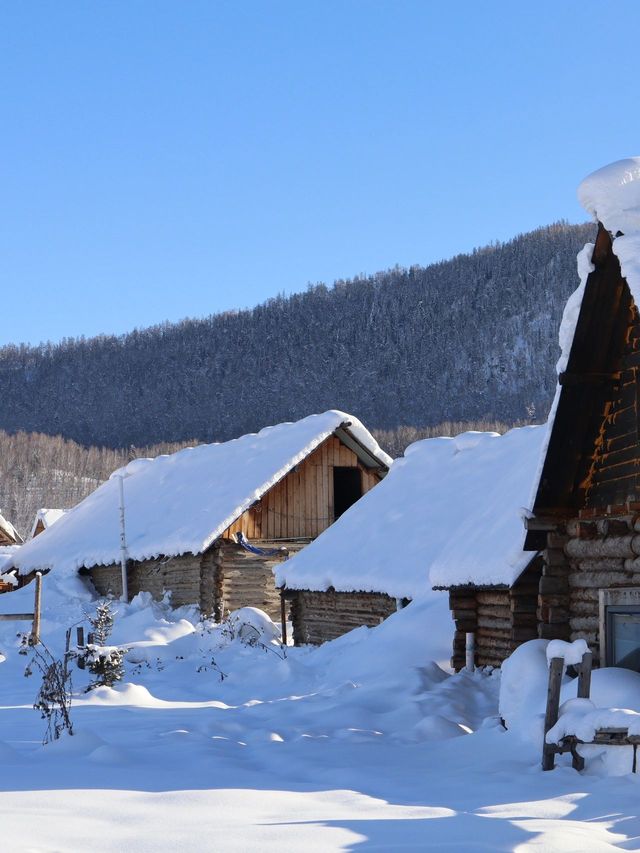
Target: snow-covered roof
47,517
181,503
9,530
612,196
7,553
449,512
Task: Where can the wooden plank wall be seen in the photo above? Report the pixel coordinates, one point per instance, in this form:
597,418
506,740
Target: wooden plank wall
321,616
301,504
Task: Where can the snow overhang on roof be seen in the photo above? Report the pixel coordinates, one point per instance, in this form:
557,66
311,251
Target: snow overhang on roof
182,503
9,531
449,513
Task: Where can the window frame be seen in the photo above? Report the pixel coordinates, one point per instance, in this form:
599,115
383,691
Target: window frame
612,601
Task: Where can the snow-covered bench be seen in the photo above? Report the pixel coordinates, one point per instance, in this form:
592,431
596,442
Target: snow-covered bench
581,722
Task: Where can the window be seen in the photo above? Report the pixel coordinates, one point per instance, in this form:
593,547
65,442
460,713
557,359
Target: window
623,629
620,628
347,489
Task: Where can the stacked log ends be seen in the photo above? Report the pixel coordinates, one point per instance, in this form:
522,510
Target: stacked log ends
321,616
603,552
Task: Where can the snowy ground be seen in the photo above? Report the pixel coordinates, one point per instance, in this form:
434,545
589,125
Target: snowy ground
363,744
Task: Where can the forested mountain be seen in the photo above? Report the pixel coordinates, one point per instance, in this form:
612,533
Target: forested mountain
469,338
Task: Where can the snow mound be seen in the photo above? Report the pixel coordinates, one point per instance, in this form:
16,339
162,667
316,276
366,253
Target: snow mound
252,625
571,653
523,684
612,195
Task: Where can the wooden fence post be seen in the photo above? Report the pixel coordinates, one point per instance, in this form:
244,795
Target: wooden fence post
556,670
35,627
283,617
584,676
80,644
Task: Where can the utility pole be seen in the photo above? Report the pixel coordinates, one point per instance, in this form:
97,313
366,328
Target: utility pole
123,543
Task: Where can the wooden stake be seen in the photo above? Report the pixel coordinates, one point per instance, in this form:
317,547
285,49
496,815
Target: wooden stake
35,628
556,670
584,676
80,644
283,617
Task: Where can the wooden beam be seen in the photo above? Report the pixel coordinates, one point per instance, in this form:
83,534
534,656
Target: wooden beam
567,378
16,617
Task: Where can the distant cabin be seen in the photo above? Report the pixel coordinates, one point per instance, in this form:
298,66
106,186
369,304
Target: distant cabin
586,514
8,582
10,540
8,534
44,519
208,524
450,515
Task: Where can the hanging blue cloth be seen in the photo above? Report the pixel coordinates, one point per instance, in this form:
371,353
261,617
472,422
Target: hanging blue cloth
261,552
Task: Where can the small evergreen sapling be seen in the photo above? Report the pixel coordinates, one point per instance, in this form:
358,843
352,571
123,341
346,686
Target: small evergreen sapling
102,623
106,663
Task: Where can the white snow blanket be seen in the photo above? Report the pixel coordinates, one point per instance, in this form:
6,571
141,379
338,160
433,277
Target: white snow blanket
218,744
450,512
181,503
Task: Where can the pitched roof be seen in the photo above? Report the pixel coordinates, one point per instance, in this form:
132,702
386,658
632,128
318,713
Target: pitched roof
450,512
8,531
181,503
592,335
7,553
47,517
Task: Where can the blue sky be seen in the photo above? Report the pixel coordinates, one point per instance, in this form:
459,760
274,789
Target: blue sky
169,159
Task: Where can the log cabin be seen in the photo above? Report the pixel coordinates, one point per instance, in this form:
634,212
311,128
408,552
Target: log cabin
8,581
208,524
449,515
585,519
44,519
8,534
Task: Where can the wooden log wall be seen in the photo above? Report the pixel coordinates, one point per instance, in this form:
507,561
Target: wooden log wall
244,579
107,580
554,597
601,552
179,575
224,578
301,504
321,616
500,617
